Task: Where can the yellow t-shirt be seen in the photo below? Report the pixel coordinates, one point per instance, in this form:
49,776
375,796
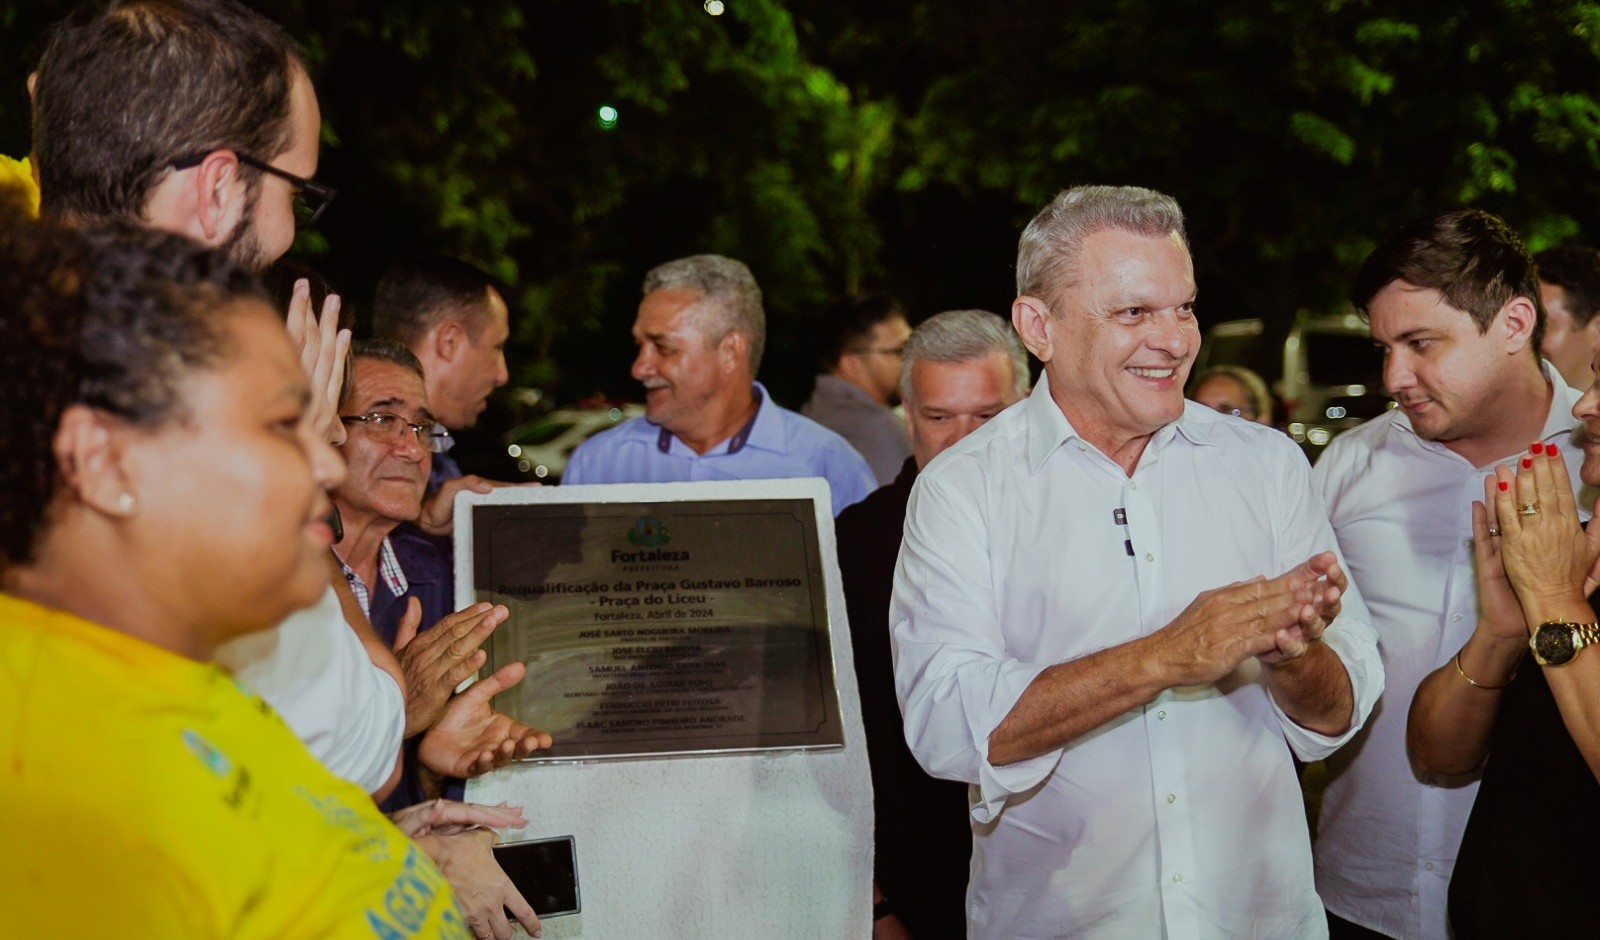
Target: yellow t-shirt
143,794
19,173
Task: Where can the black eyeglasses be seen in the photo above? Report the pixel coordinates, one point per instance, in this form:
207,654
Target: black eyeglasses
311,198
389,426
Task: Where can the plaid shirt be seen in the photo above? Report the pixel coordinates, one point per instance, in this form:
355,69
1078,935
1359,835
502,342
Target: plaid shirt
388,572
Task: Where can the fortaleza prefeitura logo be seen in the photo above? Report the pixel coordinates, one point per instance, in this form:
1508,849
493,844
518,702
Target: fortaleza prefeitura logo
648,532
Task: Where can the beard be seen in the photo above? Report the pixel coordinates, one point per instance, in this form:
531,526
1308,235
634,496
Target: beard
243,246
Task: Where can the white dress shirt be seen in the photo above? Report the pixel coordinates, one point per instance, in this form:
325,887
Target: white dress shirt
1402,508
1180,819
315,673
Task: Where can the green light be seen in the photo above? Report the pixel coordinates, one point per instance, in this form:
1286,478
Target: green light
608,116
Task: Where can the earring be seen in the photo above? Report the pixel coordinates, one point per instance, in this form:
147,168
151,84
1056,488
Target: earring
126,504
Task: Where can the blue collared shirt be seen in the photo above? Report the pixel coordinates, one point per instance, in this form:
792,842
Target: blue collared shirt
777,444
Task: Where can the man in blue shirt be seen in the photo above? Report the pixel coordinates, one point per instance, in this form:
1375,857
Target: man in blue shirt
700,333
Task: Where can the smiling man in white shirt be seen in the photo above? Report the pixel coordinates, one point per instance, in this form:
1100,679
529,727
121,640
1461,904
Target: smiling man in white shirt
1112,609
1454,302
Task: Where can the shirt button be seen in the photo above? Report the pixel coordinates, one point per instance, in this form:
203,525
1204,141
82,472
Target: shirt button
1133,484
1161,716
1456,617
1172,797
1428,866
1177,879
1149,557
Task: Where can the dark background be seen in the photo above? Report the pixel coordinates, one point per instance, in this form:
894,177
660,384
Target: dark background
836,146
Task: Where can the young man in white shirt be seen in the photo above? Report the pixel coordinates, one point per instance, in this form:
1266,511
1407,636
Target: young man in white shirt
1454,302
1112,609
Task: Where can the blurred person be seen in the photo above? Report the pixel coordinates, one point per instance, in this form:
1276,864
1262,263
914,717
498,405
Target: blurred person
1453,301
960,369
1529,722
454,319
164,493
402,579
1234,390
700,333
226,163
1569,285
1082,630
860,342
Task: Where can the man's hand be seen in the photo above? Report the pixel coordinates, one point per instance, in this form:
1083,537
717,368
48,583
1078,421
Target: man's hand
481,887
472,738
448,817
1223,627
323,349
1325,580
437,660
438,510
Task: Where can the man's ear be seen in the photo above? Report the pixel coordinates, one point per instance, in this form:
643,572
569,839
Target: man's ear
1031,317
733,351
449,340
1518,318
218,194
90,463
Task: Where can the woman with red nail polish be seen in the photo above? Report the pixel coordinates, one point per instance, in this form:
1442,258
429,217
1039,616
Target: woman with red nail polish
1532,722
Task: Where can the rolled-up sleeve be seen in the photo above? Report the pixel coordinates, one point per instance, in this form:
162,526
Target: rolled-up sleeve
952,675
1305,531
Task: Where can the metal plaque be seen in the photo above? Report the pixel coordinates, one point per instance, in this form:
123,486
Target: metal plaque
667,627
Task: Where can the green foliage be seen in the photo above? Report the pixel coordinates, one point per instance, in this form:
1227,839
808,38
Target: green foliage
838,146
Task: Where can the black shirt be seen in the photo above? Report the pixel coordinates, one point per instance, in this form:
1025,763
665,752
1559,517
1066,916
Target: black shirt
923,839
1527,861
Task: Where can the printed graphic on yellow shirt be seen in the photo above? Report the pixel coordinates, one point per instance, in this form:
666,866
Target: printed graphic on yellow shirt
211,822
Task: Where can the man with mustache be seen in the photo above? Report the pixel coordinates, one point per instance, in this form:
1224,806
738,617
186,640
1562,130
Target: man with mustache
1454,302
700,333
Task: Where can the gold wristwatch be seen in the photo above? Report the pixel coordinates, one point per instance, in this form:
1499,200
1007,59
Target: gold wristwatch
1557,642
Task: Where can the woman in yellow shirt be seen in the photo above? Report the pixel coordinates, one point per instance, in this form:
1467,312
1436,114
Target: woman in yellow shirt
162,492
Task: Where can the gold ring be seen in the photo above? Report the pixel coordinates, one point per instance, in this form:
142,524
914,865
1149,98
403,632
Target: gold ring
1529,509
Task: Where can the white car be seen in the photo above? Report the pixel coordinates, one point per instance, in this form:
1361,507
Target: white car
542,446
1326,374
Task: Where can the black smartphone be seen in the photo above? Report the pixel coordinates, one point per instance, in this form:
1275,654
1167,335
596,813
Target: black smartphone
545,871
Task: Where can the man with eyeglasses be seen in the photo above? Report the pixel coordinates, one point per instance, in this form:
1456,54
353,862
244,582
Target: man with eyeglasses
191,116
403,579
198,117
860,342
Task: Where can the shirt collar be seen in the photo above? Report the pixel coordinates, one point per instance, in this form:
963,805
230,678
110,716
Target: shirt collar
1048,427
389,572
763,435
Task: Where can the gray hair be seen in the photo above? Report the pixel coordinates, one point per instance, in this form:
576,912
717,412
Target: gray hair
961,336
730,284
1049,246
